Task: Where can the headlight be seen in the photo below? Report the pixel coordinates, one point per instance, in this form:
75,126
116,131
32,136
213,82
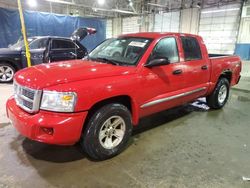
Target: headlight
58,101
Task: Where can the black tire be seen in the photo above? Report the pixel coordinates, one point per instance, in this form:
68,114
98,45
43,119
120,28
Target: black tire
213,100
91,143
4,75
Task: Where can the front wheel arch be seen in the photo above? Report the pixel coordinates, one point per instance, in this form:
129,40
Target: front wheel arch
125,100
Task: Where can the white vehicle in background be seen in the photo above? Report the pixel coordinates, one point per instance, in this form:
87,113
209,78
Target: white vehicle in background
114,50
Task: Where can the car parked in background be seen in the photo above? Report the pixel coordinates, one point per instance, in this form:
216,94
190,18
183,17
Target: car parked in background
43,49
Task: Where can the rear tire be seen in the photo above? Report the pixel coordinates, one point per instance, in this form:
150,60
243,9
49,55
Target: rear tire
7,72
107,132
220,94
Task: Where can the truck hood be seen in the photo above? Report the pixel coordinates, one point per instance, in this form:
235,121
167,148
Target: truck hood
45,75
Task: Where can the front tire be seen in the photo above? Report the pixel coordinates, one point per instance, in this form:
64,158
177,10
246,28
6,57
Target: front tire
6,73
220,94
107,132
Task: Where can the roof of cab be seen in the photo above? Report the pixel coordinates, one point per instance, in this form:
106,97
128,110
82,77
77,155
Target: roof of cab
155,35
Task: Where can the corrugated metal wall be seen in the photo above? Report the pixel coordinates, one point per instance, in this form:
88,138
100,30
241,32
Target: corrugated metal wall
190,20
167,22
244,33
130,25
219,28
109,28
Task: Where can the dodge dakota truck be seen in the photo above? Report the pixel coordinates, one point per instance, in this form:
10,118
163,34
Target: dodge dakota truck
97,101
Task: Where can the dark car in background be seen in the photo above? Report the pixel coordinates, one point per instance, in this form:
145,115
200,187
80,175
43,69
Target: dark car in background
43,49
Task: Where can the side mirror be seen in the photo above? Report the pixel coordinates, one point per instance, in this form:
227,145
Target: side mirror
157,62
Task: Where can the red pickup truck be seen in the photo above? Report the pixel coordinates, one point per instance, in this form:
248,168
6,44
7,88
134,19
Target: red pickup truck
97,101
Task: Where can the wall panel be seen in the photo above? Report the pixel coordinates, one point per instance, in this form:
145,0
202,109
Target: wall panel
167,22
130,25
109,28
219,28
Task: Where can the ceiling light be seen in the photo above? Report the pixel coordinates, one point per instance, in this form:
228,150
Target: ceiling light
220,10
32,3
101,2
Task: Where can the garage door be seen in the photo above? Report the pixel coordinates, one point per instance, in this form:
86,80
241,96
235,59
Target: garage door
109,29
167,22
219,28
130,25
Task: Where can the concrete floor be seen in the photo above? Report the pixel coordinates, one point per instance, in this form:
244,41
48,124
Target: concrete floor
189,146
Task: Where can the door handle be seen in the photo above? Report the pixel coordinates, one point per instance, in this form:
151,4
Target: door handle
178,71
204,67
73,54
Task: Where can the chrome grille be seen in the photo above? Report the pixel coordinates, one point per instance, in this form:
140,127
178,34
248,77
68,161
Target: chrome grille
27,98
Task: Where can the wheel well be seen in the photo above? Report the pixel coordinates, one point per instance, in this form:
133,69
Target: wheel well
227,75
11,63
122,99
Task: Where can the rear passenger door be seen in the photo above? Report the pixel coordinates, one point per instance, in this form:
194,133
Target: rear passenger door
62,49
197,70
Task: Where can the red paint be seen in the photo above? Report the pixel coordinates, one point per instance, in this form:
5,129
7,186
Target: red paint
66,127
94,82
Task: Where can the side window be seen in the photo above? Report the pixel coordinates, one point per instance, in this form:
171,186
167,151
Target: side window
38,44
166,48
191,48
62,44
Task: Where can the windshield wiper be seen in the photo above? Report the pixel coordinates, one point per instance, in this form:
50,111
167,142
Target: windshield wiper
110,61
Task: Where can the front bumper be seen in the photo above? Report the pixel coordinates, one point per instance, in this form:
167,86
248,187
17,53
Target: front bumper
67,127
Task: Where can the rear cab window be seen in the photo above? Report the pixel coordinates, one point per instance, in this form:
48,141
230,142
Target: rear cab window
191,48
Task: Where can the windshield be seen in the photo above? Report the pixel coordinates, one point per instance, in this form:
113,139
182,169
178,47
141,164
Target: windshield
122,51
20,43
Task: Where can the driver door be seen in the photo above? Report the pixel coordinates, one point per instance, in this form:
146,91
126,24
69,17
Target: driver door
164,84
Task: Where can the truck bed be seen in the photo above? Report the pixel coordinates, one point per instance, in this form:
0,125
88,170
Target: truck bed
222,62
219,55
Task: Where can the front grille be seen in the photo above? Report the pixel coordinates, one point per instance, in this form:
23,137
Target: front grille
26,98
28,93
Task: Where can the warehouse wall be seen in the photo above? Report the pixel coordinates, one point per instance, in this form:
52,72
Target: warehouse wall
109,28
219,27
146,24
243,43
189,22
117,26
167,22
131,24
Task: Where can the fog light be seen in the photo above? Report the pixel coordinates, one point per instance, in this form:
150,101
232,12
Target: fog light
48,130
